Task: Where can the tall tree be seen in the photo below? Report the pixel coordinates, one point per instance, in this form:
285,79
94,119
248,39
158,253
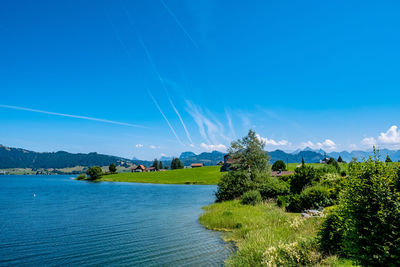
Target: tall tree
388,159
248,154
112,168
176,164
340,160
155,164
160,165
302,161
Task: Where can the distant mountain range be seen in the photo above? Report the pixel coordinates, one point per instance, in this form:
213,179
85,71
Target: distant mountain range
22,158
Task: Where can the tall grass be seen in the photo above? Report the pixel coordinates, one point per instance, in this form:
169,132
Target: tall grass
255,229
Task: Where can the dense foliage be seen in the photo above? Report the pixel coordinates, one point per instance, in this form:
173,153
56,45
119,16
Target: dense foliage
252,197
303,176
112,168
94,173
233,185
176,164
279,165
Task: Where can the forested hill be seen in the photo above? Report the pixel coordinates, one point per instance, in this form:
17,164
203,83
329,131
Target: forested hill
21,158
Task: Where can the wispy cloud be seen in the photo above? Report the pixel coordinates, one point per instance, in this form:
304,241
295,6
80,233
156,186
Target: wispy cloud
139,145
165,118
210,128
179,23
72,116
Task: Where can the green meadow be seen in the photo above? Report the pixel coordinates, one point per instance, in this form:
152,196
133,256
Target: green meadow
208,175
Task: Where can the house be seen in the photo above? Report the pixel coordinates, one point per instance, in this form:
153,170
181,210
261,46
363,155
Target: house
227,163
151,169
197,165
139,168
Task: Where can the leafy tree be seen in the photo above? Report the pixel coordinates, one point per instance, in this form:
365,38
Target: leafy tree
176,164
302,177
388,159
155,164
112,168
370,206
160,165
94,173
248,154
279,165
340,160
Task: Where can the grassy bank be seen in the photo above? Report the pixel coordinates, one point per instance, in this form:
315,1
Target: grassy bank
204,175
262,230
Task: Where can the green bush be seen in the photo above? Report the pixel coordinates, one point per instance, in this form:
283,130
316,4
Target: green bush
272,188
233,185
94,173
311,198
279,165
370,204
302,177
283,201
252,197
331,232
81,177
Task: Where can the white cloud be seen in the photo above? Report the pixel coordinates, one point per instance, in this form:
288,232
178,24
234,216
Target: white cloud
192,145
272,142
154,147
328,144
391,137
369,141
219,147
353,146
139,145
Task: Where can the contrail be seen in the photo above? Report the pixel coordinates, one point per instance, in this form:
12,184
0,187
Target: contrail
162,113
154,67
180,118
179,23
72,116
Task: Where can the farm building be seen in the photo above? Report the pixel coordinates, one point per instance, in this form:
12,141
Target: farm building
139,168
197,165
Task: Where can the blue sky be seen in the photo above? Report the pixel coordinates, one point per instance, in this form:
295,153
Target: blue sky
159,77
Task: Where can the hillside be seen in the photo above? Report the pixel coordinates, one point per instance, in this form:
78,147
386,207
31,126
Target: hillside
21,158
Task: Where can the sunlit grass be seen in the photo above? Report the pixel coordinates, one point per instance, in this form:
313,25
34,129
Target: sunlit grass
254,229
203,175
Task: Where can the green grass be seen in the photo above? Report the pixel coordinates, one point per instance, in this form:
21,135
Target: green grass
293,166
203,175
255,229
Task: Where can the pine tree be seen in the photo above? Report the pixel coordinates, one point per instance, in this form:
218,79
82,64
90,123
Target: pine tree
160,165
302,161
340,160
112,168
388,159
155,164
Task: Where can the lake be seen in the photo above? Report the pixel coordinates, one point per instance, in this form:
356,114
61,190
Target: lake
54,220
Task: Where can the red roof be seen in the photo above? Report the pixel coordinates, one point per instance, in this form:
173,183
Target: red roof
140,167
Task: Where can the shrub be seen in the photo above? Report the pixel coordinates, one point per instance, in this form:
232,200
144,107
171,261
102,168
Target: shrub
81,177
370,205
279,165
283,201
233,185
94,173
302,177
311,198
252,197
331,232
272,188
112,168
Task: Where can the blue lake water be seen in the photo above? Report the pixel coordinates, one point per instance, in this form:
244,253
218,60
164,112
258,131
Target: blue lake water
72,222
